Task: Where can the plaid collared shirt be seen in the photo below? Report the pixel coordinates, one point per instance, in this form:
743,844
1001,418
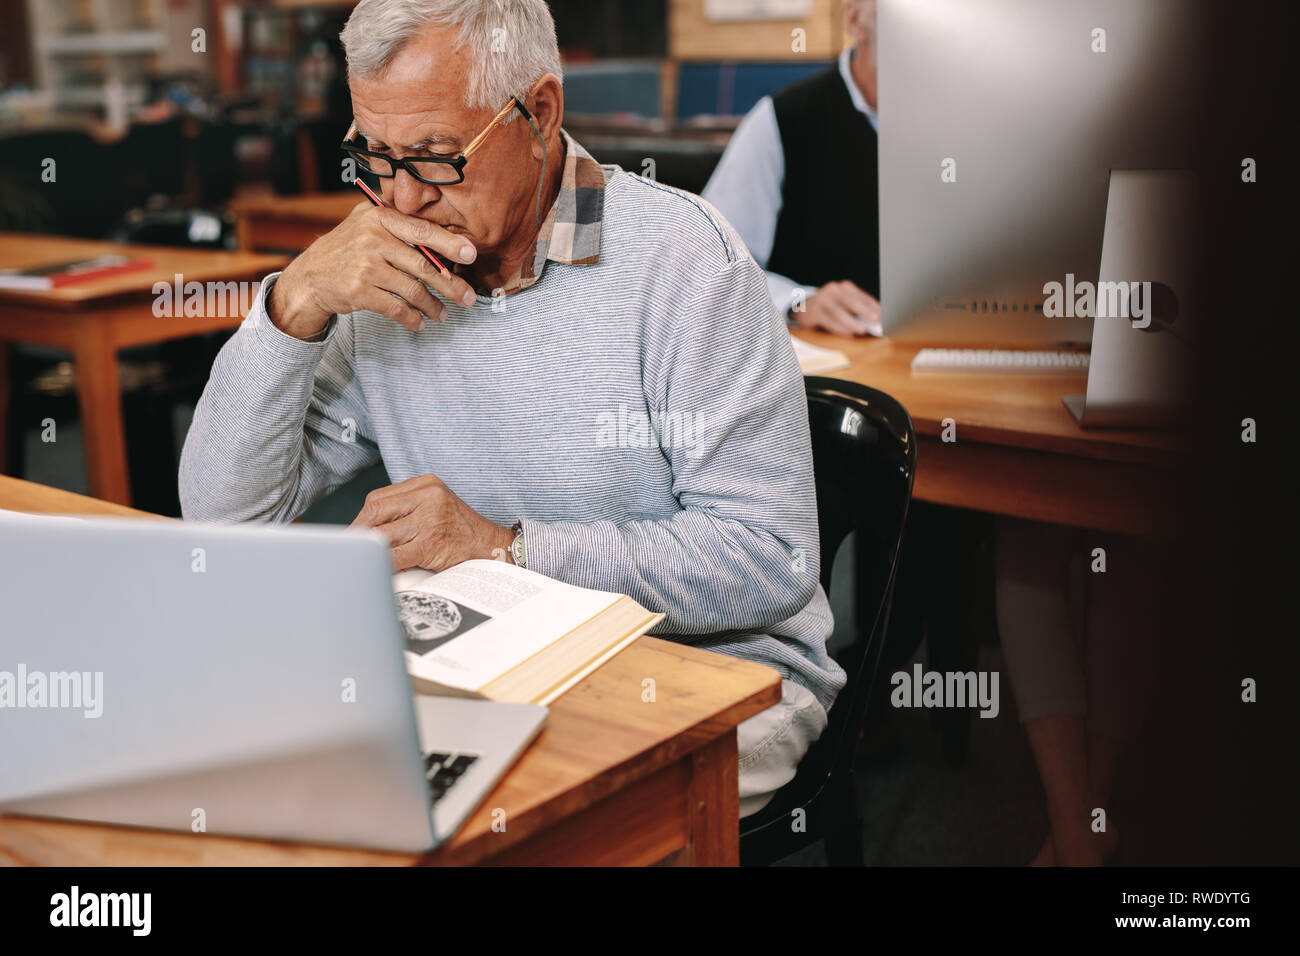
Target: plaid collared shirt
571,230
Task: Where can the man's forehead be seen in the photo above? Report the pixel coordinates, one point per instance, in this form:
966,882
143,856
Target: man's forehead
419,94
411,125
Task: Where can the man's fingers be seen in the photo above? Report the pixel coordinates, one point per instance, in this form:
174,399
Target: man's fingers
408,555
820,314
410,261
863,326
851,297
361,207
379,511
859,302
848,323
412,290
402,487
838,319
394,502
845,309
428,234
392,305
404,543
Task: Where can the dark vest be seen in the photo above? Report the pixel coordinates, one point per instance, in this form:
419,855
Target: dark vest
829,227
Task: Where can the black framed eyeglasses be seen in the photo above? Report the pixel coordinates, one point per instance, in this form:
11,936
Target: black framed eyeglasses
434,170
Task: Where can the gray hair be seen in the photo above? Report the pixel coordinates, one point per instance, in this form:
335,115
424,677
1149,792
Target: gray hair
512,41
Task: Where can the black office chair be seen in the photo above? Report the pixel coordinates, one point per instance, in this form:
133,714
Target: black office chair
152,160
864,457
62,182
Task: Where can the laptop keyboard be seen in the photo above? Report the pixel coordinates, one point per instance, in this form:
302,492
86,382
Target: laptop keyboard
443,770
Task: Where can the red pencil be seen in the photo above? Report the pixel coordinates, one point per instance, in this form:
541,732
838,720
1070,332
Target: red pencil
427,254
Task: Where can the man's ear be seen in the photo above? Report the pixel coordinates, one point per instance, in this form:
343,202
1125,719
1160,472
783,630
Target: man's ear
547,106
855,23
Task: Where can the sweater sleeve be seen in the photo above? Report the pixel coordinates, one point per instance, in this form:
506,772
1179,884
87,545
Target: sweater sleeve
728,407
280,424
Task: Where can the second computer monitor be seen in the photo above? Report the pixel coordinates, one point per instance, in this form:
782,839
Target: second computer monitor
1000,121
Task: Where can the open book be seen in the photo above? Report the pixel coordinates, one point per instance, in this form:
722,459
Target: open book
493,630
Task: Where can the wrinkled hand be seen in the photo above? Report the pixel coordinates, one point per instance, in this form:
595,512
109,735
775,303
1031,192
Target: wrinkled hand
842,308
365,263
429,527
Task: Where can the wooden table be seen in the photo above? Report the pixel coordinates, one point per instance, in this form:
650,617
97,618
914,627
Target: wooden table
98,317
612,779
1018,451
290,223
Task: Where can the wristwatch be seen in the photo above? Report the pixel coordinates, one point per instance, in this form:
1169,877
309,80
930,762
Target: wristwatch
517,553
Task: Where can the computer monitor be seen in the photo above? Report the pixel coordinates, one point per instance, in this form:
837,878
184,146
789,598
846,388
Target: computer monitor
1000,121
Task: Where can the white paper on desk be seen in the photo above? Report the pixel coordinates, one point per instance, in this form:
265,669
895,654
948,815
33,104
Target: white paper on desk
813,359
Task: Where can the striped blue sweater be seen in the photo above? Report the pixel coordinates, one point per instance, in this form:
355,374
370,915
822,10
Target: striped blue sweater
644,417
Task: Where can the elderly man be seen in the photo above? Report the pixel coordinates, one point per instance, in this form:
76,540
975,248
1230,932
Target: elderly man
798,181
576,295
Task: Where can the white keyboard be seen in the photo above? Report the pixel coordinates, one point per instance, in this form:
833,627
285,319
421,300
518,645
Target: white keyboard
998,360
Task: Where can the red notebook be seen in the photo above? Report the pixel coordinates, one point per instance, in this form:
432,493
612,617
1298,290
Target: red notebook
45,278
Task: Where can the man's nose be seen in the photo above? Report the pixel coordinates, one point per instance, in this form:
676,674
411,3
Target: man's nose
408,195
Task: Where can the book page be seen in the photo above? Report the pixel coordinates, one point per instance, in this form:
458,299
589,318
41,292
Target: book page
470,624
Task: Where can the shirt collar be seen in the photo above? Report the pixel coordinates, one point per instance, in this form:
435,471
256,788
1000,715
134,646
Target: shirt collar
855,94
570,233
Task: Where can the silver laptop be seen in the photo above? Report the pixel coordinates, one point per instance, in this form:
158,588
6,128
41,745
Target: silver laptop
1144,343
242,680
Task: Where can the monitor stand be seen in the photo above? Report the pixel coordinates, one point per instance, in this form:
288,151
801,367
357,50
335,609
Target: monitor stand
1077,405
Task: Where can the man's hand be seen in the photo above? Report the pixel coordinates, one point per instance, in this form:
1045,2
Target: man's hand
365,263
427,526
842,308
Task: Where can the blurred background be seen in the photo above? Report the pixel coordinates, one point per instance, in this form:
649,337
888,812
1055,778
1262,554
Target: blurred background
252,94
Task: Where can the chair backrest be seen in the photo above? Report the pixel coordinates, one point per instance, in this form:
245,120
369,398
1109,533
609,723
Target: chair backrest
864,459
152,160
59,181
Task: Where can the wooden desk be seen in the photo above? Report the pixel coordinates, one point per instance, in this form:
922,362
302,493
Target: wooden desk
611,780
1018,451
290,223
94,319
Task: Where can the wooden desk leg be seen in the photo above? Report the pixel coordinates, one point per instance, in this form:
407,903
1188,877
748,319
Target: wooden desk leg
4,408
714,804
99,394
